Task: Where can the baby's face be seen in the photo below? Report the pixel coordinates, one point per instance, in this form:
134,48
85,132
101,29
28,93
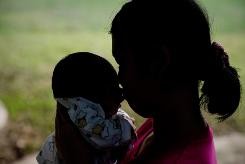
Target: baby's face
112,100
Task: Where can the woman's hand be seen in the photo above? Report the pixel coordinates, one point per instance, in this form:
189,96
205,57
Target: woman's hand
71,147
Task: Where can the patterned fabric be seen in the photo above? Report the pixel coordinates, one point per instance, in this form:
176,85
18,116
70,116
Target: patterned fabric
48,155
89,117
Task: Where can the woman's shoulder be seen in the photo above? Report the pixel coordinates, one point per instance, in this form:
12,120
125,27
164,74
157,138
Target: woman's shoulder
200,150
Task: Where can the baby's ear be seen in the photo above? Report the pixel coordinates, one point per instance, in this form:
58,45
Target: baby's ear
160,62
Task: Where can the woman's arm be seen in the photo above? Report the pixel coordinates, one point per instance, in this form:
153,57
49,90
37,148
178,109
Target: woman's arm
71,147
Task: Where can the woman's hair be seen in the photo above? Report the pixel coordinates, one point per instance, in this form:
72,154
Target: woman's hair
178,31
83,74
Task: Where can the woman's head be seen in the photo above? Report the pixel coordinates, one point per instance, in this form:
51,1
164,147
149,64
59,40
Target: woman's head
168,42
87,75
149,28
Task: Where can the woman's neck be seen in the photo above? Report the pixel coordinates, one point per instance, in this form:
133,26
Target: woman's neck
178,121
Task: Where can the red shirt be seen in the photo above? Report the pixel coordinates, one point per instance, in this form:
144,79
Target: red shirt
199,151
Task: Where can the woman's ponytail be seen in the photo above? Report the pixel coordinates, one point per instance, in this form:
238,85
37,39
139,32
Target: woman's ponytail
221,91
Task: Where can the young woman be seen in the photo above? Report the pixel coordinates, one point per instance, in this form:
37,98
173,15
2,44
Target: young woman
164,50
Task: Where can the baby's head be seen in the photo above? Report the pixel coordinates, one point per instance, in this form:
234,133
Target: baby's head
90,76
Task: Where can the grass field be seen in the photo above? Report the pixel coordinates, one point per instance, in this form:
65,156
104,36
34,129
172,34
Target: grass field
34,35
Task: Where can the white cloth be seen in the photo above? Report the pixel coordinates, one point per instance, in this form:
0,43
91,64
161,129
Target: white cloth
90,118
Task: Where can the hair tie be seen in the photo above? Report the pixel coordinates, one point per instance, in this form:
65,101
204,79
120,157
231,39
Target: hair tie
220,54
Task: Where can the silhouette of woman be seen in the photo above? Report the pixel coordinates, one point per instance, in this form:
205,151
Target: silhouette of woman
165,53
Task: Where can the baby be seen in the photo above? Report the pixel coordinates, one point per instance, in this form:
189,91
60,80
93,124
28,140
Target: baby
87,86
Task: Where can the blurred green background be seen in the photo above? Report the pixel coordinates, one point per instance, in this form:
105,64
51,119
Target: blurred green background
36,34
